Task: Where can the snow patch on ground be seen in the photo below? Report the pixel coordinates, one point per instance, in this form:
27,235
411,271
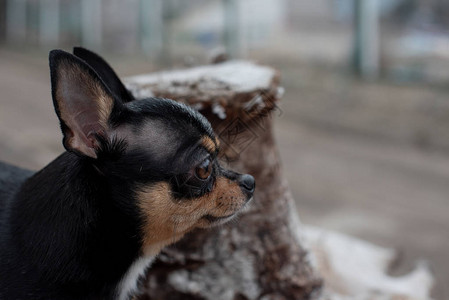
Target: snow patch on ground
355,269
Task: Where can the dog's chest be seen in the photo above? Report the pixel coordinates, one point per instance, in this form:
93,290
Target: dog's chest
129,283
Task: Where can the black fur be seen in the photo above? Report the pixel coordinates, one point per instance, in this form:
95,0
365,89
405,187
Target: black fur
71,230
64,233
105,72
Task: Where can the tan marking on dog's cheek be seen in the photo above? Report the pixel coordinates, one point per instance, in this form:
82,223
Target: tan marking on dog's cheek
166,220
209,144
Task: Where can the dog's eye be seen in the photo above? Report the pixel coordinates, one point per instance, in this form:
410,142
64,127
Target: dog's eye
204,170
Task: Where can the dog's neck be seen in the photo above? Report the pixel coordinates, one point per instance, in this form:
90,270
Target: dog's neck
63,218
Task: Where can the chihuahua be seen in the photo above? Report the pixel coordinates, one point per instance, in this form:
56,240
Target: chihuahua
138,174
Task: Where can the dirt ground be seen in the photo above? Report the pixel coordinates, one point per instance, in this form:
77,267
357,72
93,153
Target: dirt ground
370,160
367,159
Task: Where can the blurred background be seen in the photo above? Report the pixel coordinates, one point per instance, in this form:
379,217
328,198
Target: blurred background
363,128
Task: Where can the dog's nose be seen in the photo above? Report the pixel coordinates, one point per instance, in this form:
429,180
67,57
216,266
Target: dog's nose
247,182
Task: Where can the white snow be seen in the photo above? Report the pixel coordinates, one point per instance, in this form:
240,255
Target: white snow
237,76
355,269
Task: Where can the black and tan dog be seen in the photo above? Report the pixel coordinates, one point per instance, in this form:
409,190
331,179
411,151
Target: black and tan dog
137,175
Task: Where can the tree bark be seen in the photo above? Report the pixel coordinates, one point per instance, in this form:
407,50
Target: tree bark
259,256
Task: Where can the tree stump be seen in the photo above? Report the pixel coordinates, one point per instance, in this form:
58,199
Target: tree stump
259,256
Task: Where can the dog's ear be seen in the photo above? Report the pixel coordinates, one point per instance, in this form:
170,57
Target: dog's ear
105,72
82,102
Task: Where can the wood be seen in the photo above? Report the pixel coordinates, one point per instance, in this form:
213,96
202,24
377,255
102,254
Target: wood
151,27
366,40
16,21
91,24
260,256
49,22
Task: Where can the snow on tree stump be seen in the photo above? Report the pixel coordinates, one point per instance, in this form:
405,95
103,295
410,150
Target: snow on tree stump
260,256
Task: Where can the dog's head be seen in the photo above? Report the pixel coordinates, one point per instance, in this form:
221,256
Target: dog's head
159,156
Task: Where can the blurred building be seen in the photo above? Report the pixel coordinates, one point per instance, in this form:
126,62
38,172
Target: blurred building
405,40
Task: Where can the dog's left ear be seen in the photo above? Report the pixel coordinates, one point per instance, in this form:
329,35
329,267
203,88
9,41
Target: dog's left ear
82,101
105,72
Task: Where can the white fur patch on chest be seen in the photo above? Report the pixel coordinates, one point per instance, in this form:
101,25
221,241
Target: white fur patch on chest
128,284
